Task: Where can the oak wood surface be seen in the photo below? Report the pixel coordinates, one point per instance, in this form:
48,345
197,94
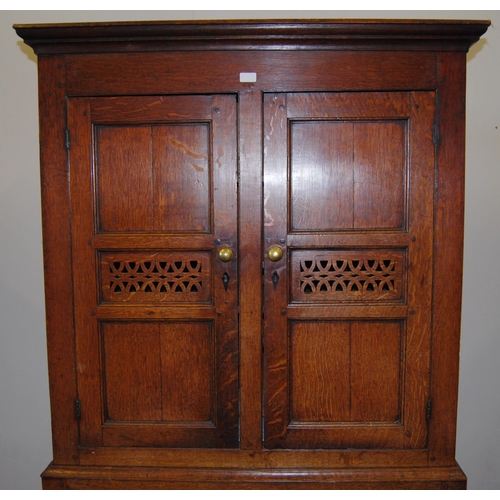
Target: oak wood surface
447,265
56,222
170,72
232,458
190,387
334,367
317,383
209,478
339,34
251,248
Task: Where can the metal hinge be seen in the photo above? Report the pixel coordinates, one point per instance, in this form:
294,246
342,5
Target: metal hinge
435,134
78,410
428,414
67,139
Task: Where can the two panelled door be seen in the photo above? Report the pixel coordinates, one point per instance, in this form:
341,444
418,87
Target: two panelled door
347,278
154,201
348,231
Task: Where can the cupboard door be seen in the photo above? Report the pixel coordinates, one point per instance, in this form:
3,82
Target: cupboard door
348,198
154,200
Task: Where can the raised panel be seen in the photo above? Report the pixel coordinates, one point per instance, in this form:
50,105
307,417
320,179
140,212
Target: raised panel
347,175
182,180
124,178
379,175
346,371
158,372
153,177
376,368
132,369
319,372
187,374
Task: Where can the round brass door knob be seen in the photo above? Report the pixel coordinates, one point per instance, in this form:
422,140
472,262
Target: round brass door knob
225,254
275,253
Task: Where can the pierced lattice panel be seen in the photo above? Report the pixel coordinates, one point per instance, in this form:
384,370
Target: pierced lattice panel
158,277
339,275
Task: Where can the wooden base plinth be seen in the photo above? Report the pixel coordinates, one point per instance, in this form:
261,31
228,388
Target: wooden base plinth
91,477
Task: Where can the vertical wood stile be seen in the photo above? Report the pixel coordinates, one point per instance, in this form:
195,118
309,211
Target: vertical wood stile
250,251
448,255
57,257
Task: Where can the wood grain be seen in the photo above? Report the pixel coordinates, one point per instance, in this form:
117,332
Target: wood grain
376,382
182,178
54,173
124,178
448,248
157,73
132,368
379,168
347,152
349,171
249,34
210,478
320,366
250,271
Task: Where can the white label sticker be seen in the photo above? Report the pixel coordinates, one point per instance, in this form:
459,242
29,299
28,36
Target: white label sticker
248,77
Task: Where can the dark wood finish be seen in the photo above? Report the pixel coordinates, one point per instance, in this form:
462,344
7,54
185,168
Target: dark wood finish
336,34
171,172
110,74
366,173
230,458
132,371
250,227
57,259
277,478
334,367
450,181
125,190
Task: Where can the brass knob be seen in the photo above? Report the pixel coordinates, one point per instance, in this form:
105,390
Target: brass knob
225,254
275,253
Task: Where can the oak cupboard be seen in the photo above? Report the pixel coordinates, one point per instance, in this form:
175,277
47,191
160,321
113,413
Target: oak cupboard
253,251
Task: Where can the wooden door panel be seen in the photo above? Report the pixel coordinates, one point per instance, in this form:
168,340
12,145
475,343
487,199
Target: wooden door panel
154,199
340,171
330,382
379,167
132,386
158,372
181,178
347,308
376,371
124,178
321,176
319,369
187,372
158,180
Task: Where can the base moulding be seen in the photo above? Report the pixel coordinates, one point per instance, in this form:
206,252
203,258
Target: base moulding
90,477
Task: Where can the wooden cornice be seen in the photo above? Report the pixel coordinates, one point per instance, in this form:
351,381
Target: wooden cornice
321,34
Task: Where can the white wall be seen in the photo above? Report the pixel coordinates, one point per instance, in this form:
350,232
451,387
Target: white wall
25,440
